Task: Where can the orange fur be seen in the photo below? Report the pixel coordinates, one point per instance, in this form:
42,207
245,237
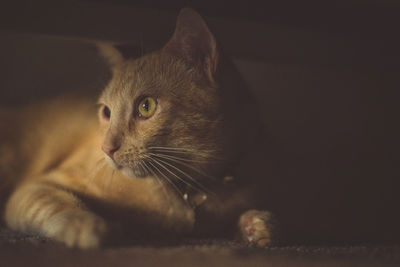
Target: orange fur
47,196
60,184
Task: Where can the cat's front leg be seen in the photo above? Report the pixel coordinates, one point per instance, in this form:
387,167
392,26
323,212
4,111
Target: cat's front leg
257,228
56,213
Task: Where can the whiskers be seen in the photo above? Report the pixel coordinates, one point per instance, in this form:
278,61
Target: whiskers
180,169
177,167
176,151
158,172
181,161
147,169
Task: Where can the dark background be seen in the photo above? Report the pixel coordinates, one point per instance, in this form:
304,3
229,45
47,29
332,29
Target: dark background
326,74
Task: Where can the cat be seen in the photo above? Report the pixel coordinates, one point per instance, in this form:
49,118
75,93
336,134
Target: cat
171,152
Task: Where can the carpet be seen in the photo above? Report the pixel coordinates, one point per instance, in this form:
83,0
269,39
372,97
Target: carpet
18,249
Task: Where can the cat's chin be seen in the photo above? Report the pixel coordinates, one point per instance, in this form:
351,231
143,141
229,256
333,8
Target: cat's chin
133,173
127,171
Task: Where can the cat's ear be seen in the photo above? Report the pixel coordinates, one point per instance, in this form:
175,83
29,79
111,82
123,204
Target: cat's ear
194,42
110,53
115,54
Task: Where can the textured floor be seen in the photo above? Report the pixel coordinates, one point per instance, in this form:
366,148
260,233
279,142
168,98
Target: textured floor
22,250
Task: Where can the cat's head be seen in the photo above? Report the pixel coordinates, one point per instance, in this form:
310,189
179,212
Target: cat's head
168,113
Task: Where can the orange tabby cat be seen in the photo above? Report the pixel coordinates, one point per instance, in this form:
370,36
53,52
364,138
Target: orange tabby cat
168,156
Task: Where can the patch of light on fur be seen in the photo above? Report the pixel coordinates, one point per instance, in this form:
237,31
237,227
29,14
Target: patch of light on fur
110,162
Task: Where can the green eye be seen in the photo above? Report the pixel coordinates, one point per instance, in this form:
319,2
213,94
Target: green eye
147,107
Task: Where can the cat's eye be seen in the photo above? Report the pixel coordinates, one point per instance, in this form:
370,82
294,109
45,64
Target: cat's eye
106,112
147,107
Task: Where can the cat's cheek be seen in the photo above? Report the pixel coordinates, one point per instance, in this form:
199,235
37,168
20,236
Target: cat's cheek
128,172
103,127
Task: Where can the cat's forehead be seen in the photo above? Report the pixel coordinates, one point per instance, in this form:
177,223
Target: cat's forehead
154,74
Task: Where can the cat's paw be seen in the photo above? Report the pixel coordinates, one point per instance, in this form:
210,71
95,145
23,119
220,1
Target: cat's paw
84,230
256,227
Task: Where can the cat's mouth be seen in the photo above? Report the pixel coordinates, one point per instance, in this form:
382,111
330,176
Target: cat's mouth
136,169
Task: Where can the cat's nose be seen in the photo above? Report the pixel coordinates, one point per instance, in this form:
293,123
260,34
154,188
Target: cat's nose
110,150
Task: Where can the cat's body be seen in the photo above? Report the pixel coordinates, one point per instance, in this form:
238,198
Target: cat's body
69,159
58,156
174,126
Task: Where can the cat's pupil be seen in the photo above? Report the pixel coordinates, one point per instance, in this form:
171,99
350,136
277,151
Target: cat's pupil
106,112
146,105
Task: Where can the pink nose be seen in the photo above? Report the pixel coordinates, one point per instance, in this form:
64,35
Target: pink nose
109,150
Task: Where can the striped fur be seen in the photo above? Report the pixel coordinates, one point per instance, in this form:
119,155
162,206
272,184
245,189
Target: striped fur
60,184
